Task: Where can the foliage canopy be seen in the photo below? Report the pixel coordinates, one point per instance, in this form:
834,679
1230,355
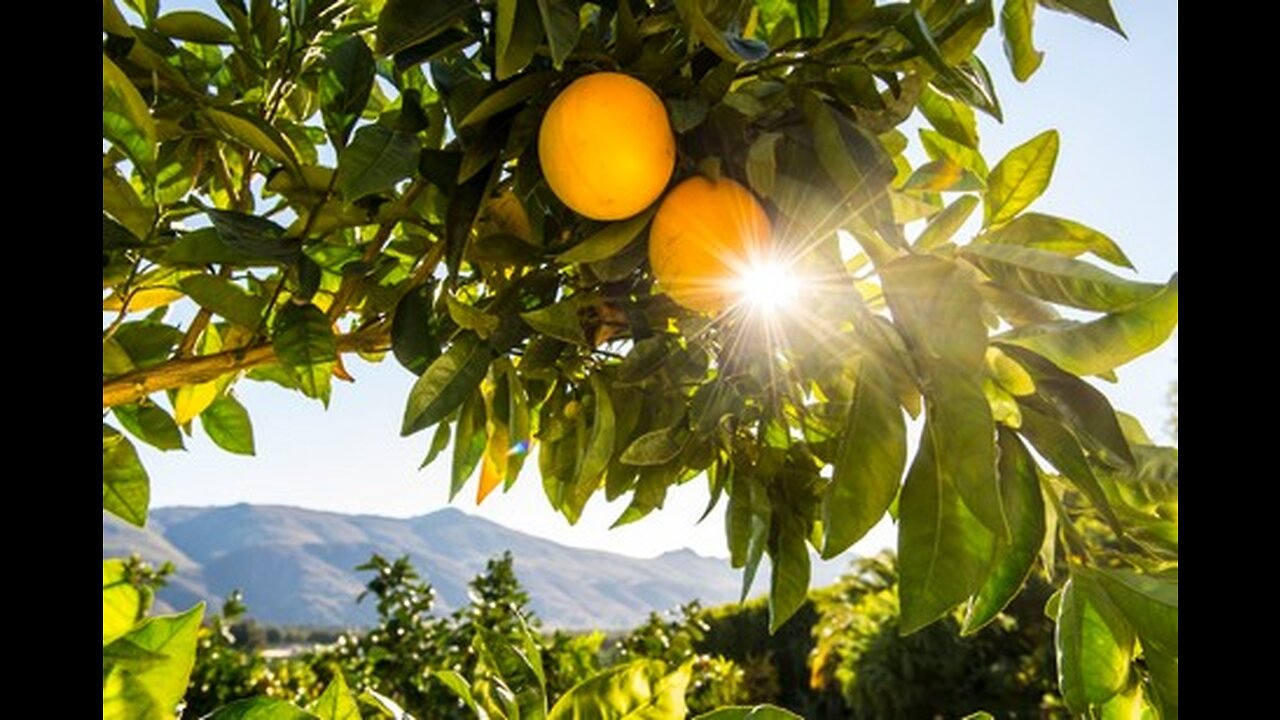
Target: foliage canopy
305,179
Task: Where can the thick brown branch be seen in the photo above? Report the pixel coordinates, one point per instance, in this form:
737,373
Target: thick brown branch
190,371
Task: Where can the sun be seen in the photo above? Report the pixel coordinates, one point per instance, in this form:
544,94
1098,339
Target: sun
767,285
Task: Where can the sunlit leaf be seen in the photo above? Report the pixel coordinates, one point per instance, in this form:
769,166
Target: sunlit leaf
1020,177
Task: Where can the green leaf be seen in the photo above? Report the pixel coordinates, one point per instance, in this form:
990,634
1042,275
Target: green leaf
1097,347
1016,20
305,346
1014,557
151,424
656,447
852,157
126,489
377,158
122,602
1098,11
144,672
1020,177
227,423
254,237
870,457
1065,237
260,708
599,451
346,79
405,23
1057,279
459,686
1094,645
254,133
789,560
1149,603
942,176
608,240
470,317
413,338
126,119
506,97
762,163
1086,410
468,443
518,30
558,320
953,119
944,551
561,23
1059,446
945,224
195,27
639,689
225,298
939,147
742,712
336,702
446,383
729,46
936,304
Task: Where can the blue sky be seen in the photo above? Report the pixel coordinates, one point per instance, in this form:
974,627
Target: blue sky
1115,103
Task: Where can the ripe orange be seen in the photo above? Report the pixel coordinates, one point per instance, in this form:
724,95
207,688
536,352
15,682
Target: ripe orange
606,146
704,236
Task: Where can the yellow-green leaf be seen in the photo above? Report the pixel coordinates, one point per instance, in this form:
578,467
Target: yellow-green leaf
1020,177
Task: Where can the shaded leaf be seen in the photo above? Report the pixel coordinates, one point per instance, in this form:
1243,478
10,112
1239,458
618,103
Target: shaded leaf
558,320
151,424
254,237
468,442
1098,11
377,158
789,561
870,457
656,447
1060,447
608,240
227,423
254,133
757,712
405,23
1015,556
446,383
260,708
194,27
469,317
561,23
1149,603
945,552
346,79
507,97
518,31
413,339
305,346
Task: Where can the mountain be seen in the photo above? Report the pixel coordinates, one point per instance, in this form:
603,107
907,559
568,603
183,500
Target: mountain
296,566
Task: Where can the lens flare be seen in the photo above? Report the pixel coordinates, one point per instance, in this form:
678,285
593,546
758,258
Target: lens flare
768,286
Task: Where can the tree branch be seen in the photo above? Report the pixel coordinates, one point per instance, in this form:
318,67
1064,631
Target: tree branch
175,373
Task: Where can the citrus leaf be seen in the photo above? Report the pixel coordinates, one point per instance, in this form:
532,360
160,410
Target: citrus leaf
1016,20
446,383
507,97
1065,237
953,119
223,297
150,423
608,240
1105,344
405,23
656,447
1057,279
558,320
1020,177
1094,645
126,119
194,26
561,23
1098,11
227,423
518,31
945,224
126,489
1015,556
145,671
305,346
122,601
254,133
870,457
336,702
377,158
346,79
639,689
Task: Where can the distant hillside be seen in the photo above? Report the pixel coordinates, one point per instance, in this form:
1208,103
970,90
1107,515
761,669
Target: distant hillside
296,566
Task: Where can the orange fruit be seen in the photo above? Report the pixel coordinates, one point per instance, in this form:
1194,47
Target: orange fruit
705,236
606,146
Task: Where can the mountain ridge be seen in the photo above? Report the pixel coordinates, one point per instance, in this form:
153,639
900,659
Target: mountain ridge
296,565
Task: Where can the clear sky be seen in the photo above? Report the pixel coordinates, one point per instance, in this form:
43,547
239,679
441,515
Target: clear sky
1115,103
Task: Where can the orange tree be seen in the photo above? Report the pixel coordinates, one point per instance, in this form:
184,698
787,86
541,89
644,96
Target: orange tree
298,180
